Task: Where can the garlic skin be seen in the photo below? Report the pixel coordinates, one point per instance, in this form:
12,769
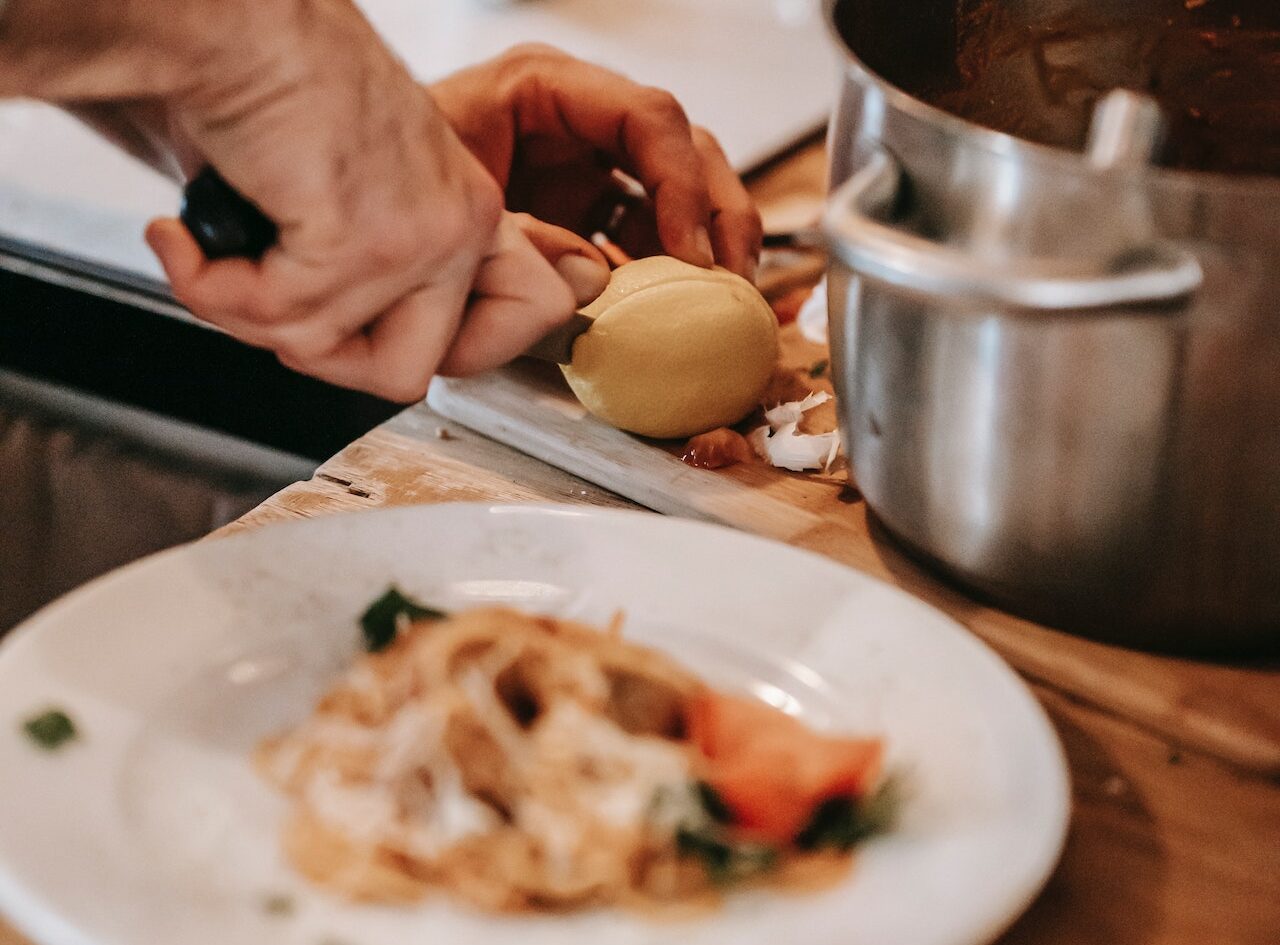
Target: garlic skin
781,444
793,411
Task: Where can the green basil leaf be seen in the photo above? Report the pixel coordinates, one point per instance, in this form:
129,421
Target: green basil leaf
844,822
713,854
382,621
713,803
50,730
725,862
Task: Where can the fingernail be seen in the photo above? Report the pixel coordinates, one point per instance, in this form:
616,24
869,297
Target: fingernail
702,243
586,277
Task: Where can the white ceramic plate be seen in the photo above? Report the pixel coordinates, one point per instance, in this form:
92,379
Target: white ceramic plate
152,828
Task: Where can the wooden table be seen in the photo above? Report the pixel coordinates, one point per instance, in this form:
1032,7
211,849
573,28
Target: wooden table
1175,836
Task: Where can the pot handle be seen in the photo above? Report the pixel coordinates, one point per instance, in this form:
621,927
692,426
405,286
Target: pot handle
1156,272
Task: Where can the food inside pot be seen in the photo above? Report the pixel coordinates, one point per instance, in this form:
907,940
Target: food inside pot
1036,69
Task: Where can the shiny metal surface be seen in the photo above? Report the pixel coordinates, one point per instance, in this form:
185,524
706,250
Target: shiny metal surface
557,344
1142,275
1111,469
1126,128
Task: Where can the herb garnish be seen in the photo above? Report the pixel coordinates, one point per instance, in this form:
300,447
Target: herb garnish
819,368
844,822
724,861
386,616
713,803
50,730
701,834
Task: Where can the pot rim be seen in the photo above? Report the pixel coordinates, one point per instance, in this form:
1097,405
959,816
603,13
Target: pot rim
1001,143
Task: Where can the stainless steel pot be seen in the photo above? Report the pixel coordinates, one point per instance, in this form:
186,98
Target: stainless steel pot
1059,371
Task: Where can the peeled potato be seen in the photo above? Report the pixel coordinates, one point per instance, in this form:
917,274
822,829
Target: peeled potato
675,350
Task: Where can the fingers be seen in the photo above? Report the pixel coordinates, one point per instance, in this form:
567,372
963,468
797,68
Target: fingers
523,288
643,129
579,264
531,280
736,228
206,287
660,143
396,357
256,303
700,210
517,298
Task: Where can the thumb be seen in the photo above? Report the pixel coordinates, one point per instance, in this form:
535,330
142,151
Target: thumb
578,263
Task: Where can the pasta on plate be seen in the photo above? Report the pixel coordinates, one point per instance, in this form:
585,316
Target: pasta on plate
525,763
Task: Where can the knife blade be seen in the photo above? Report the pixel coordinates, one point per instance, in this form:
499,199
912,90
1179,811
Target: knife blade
226,225
557,344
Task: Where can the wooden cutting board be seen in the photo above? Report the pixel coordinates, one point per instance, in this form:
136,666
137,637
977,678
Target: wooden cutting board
1232,712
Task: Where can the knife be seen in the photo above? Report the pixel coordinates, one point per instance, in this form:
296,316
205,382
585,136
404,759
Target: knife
226,226
557,344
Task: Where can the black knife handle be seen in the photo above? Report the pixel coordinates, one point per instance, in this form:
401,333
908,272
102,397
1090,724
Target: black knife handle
223,222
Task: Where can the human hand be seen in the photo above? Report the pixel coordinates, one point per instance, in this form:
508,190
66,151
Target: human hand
552,129
392,263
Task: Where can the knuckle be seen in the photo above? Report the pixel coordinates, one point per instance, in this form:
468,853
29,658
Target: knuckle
526,64
406,388
460,229
450,237
663,106
706,142
468,214
526,55
743,219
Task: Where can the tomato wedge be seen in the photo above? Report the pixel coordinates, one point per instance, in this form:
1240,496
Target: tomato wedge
771,770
